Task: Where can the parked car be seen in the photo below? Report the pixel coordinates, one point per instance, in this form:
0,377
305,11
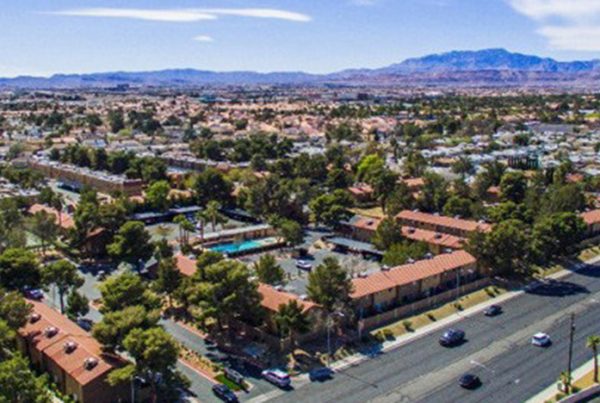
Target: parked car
224,393
469,381
277,377
101,275
541,340
452,337
85,324
34,293
303,265
320,374
493,310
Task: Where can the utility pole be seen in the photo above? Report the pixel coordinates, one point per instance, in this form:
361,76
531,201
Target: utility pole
571,334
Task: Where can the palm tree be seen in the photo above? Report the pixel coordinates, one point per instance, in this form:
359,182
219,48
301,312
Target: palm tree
593,342
201,217
58,203
291,320
565,379
185,227
212,213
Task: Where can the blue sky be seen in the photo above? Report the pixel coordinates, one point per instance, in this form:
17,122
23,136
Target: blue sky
41,37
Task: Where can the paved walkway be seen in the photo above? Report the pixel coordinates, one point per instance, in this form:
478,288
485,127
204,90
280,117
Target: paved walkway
552,390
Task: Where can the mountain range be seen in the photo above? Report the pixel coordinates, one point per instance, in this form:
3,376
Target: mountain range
488,67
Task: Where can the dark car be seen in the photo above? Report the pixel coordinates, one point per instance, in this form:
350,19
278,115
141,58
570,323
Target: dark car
34,293
224,393
452,337
320,374
469,381
493,310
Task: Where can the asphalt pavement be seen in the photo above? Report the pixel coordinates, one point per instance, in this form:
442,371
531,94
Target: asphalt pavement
497,349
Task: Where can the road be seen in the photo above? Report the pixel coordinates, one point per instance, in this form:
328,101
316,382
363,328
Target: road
497,349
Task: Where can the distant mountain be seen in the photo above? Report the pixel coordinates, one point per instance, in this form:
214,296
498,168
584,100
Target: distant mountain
488,67
488,59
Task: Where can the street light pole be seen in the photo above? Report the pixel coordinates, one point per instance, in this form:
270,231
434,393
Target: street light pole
571,334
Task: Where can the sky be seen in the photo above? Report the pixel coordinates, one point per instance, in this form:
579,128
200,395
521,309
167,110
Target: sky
41,37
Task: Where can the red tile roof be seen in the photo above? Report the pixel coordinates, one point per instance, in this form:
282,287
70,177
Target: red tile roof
457,223
186,265
414,183
409,273
367,223
360,190
54,347
66,221
591,217
273,298
432,237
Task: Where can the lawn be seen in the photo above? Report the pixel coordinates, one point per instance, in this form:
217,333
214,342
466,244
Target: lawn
410,324
375,212
589,253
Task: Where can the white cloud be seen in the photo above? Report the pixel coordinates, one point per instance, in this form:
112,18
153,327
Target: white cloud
567,9
184,15
204,38
566,24
139,14
580,38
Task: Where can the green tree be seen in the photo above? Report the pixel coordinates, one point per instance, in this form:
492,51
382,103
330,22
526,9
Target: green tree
126,289
401,253
168,277
185,227
513,186
114,327
131,243
155,352
369,166
332,208
226,292
207,258
434,193
504,250
553,235
64,276
212,185
388,233
77,305
593,342
157,195
268,271
329,285
19,268
18,384
43,225
290,231
212,214
401,198
458,206
14,309
291,320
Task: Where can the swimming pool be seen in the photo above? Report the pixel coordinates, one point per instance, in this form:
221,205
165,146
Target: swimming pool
237,248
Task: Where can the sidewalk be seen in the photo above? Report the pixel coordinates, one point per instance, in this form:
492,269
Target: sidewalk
552,390
445,322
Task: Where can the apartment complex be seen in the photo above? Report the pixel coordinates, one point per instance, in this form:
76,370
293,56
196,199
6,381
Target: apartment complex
78,177
414,281
441,224
70,356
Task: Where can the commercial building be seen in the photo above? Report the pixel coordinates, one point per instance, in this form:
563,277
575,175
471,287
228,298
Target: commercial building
77,177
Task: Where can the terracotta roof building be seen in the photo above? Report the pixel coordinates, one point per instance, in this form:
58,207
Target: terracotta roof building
592,220
72,357
443,224
413,281
63,219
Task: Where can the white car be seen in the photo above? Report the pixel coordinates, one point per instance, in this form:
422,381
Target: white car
277,377
541,340
304,265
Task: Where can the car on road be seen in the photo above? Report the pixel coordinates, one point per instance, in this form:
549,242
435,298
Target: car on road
541,340
85,324
452,337
320,374
469,381
493,310
277,377
303,265
224,393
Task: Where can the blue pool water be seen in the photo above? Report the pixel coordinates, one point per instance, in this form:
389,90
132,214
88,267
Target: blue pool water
232,248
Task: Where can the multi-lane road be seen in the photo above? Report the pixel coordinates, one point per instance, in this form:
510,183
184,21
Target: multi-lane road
497,349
